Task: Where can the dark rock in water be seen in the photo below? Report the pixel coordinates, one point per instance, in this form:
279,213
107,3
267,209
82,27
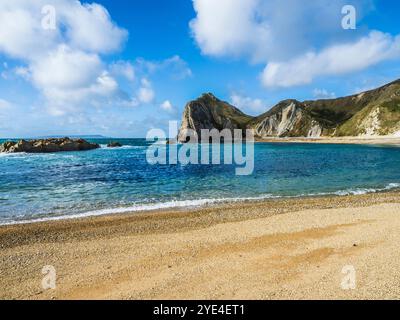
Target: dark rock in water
114,145
47,145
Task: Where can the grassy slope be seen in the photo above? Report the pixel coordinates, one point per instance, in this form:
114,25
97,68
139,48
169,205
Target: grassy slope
345,116
222,110
386,100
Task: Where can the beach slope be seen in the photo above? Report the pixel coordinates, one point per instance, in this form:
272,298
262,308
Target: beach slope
277,249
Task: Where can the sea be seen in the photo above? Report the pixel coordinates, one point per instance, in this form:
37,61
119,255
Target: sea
40,187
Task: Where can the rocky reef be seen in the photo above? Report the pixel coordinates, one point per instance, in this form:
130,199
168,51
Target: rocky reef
374,112
114,145
47,145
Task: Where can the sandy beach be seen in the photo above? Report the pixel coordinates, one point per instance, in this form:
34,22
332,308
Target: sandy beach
276,249
369,140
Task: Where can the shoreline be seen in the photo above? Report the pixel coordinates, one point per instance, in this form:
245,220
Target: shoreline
222,252
279,205
367,140
201,204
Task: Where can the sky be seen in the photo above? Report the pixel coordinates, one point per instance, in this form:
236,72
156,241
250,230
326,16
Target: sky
120,68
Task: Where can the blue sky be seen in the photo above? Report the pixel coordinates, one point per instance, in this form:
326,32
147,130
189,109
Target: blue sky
120,68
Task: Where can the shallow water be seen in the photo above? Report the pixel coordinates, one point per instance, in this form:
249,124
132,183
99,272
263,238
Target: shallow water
42,186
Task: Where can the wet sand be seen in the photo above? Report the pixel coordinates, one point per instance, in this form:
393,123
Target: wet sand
276,249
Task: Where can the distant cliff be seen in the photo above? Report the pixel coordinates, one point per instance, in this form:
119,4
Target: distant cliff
375,112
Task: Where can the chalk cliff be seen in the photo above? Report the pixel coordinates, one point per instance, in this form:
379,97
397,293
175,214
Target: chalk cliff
374,112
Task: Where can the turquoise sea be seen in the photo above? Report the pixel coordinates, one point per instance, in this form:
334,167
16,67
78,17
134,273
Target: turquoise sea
73,184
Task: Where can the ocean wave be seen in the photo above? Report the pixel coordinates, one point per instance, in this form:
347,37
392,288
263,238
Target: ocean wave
35,155
13,155
104,147
24,155
198,204
142,208
361,191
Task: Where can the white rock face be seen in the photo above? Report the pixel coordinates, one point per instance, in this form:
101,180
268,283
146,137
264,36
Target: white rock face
280,124
290,119
372,124
315,131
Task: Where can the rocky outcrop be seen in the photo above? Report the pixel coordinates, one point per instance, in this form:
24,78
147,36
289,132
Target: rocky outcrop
210,113
288,119
47,145
374,112
114,145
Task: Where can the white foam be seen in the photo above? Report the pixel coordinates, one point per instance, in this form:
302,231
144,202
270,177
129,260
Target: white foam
24,155
104,147
357,191
195,204
13,155
142,208
361,191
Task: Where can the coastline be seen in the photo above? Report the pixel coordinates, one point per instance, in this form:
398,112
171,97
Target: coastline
178,253
368,140
193,205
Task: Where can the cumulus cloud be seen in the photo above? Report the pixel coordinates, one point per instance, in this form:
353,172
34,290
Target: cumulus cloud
267,30
22,72
90,28
70,69
284,36
247,104
167,106
175,66
124,69
229,27
146,93
334,60
65,64
323,94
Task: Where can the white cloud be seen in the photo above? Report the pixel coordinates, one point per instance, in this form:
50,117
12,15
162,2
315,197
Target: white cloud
175,66
323,94
248,104
123,68
284,36
178,67
65,64
22,72
167,106
90,28
229,27
268,30
21,33
65,68
334,60
86,27
146,93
